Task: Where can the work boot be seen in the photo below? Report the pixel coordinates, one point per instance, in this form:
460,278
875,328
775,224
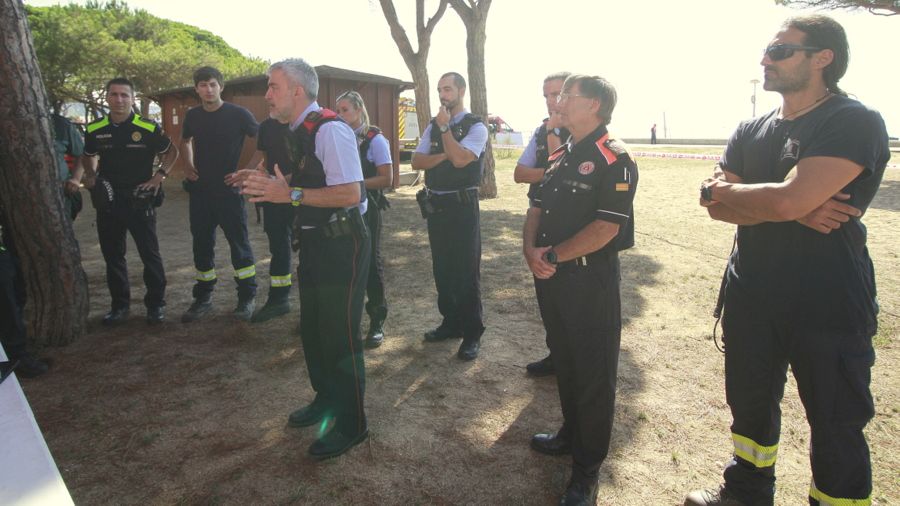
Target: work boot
271,309
442,334
244,309
543,367
156,315
580,494
712,497
335,443
30,367
199,308
468,349
115,316
375,336
551,444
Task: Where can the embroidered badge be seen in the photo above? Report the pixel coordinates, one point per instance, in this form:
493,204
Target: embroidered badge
791,150
586,168
136,136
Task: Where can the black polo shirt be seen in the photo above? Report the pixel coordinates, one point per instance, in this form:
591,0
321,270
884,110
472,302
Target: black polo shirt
594,179
218,138
127,150
787,269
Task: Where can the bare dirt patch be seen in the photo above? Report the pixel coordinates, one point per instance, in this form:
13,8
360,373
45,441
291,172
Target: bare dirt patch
196,414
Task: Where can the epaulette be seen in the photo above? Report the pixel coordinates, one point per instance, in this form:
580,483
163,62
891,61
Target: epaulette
97,124
558,152
315,117
605,146
373,131
142,123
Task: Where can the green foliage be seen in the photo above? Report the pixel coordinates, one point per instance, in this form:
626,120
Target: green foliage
877,7
79,48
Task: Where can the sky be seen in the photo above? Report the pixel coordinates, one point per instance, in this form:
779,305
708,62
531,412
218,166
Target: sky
685,65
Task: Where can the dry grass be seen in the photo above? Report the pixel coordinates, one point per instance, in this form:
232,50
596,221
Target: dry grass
196,414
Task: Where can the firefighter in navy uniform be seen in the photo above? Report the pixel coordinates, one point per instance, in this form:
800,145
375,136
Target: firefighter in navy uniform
273,148
800,286
125,194
580,218
333,242
451,154
377,167
532,164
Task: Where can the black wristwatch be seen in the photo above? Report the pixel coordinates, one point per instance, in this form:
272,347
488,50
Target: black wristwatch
550,256
706,192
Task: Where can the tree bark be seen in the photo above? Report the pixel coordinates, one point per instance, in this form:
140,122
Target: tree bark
30,191
416,61
474,17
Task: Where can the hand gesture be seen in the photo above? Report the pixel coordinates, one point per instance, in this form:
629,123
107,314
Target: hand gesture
443,117
263,188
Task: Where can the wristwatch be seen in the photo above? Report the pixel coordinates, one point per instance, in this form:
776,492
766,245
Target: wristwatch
550,256
706,192
296,196
443,128
164,175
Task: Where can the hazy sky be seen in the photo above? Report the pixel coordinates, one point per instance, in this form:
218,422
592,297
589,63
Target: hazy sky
690,61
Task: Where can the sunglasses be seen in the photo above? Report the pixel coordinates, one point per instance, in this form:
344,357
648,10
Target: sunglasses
779,52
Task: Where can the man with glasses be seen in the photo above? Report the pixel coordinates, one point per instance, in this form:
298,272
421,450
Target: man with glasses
581,216
451,154
800,286
532,164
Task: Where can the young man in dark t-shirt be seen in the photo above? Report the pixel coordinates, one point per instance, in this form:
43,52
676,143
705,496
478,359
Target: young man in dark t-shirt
213,135
800,286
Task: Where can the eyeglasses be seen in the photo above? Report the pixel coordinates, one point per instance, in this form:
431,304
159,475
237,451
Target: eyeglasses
566,96
780,52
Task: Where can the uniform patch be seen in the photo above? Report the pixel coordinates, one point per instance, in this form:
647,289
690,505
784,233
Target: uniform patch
135,136
622,187
586,168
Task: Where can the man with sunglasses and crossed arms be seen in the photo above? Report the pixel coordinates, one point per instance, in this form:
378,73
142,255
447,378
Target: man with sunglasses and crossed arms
800,286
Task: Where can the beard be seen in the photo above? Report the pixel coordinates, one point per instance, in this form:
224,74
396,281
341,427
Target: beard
777,82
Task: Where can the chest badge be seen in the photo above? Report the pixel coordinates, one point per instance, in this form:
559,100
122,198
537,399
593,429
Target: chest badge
791,150
135,136
586,168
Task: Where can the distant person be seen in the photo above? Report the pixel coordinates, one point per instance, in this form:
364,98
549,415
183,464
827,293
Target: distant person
273,149
13,335
378,171
532,165
213,136
581,216
653,134
451,153
67,140
800,286
329,198
125,192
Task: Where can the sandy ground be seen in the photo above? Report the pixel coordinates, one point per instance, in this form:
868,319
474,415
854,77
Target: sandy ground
196,414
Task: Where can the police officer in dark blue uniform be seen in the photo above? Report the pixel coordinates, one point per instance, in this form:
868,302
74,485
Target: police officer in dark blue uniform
800,287
125,194
329,197
532,164
451,154
378,171
213,135
581,217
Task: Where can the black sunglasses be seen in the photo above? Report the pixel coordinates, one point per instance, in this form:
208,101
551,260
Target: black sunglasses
779,52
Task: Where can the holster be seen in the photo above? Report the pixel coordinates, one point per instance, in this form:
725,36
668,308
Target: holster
347,222
426,206
377,198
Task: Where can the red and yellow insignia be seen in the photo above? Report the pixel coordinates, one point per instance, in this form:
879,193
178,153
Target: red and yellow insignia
622,187
586,168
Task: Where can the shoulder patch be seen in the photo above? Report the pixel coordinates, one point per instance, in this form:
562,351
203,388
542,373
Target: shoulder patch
557,153
607,153
373,131
96,125
315,118
142,123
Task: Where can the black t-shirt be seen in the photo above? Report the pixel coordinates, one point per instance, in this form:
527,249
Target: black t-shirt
593,180
274,140
788,270
218,137
127,150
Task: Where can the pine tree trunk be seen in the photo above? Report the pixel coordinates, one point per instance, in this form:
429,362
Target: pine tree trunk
30,191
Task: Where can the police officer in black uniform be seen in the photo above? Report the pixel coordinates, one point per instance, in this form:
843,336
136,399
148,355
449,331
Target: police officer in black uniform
125,194
378,171
581,217
329,197
451,154
532,164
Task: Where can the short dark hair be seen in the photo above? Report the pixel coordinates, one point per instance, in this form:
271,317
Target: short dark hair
458,80
595,87
120,80
208,74
826,33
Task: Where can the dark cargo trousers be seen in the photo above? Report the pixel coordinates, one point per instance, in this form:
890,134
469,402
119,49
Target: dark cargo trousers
376,306
832,370
278,225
